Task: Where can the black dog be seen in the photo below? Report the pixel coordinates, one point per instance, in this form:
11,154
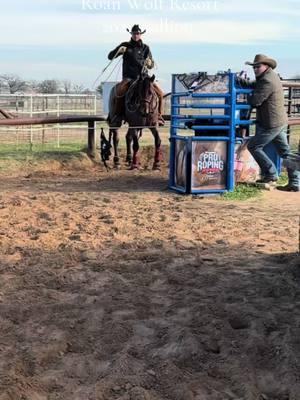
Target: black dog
105,147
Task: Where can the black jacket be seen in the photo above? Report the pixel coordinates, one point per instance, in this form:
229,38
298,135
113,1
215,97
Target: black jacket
133,58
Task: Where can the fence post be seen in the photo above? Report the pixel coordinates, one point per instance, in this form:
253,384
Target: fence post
95,105
31,130
43,130
290,99
91,150
58,125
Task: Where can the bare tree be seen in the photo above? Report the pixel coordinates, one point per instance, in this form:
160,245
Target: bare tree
13,82
78,89
88,91
33,86
67,86
49,86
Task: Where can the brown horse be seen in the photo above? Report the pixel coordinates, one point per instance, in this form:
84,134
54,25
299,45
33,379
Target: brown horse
141,111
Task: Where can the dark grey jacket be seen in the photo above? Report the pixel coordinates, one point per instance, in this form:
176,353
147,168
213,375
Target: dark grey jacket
268,99
133,58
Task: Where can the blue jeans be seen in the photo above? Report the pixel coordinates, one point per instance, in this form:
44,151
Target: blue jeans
279,139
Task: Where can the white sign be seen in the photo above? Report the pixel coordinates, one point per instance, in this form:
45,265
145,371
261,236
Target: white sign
107,86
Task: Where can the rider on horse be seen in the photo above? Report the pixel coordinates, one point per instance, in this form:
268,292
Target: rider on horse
136,58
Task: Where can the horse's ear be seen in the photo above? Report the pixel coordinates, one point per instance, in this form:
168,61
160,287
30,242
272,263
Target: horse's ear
152,78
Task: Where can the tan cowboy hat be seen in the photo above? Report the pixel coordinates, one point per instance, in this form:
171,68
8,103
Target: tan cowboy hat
262,59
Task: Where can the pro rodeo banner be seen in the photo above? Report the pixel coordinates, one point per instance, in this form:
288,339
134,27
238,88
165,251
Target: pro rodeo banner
209,161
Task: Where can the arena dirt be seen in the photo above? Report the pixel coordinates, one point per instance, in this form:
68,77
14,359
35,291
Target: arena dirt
113,287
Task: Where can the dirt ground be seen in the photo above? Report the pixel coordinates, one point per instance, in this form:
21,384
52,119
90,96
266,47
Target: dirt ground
113,287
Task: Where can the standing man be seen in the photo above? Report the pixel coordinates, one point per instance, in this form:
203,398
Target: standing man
136,57
271,126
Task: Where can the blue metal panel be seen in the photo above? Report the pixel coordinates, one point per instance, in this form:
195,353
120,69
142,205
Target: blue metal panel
189,165
177,137
177,189
244,91
181,94
202,116
200,106
211,95
210,138
242,107
231,145
174,101
244,122
209,106
231,114
210,127
208,191
175,127
202,127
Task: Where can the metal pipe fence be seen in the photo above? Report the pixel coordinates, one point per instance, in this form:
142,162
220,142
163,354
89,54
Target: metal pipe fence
49,105
57,135
42,105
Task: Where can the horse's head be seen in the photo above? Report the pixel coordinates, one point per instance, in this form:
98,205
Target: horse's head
147,95
142,98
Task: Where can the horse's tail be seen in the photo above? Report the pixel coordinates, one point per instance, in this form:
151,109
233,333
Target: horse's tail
111,105
114,118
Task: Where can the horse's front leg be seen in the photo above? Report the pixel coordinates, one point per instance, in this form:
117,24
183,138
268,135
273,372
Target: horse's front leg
136,158
128,147
158,152
115,135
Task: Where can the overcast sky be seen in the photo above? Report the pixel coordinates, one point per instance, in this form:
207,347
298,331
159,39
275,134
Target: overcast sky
70,39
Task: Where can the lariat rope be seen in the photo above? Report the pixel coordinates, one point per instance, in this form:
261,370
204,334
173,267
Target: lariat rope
105,68
118,64
144,68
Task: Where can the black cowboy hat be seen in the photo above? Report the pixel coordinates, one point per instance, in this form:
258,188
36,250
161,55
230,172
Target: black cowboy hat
135,29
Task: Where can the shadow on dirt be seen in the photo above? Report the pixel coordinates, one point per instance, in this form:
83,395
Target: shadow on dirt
151,321
120,181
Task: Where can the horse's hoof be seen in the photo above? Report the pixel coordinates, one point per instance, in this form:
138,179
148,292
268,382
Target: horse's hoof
135,167
117,164
156,167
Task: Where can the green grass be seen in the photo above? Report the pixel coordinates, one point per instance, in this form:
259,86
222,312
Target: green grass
242,192
24,153
24,149
282,180
13,158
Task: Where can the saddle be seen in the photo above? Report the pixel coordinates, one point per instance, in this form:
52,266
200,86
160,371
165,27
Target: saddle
117,101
